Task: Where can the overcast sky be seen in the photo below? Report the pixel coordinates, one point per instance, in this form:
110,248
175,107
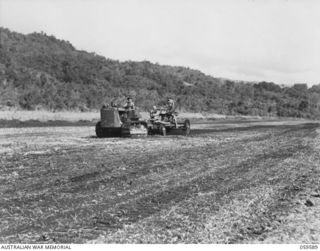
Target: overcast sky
255,40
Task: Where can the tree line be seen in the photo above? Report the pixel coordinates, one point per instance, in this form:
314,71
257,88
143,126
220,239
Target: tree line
38,71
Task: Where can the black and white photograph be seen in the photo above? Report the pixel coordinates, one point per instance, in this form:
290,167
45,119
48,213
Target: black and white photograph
159,122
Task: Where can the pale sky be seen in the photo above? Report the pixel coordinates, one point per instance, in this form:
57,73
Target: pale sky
254,40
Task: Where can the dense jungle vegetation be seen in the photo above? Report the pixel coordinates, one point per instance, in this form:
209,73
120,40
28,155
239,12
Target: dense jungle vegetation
38,71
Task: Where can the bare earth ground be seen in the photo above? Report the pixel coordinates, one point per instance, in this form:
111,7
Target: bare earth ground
255,182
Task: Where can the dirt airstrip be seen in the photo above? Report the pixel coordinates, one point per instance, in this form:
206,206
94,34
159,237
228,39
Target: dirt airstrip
228,182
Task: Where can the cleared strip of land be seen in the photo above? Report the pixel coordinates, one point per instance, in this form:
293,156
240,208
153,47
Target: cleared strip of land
226,183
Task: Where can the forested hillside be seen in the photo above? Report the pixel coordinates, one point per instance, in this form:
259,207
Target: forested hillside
38,71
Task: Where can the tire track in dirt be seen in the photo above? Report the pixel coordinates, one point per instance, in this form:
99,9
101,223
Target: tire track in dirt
141,169
105,166
286,128
79,183
151,204
278,207
135,172
156,201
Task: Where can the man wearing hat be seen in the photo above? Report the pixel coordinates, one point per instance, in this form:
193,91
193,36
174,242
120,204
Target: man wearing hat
170,105
129,105
171,109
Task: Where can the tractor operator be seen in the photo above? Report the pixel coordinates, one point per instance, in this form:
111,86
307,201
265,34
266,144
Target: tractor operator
129,105
170,107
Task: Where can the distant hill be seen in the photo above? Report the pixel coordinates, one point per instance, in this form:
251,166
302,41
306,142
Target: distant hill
38,71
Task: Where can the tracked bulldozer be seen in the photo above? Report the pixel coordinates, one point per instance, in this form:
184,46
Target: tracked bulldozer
120,122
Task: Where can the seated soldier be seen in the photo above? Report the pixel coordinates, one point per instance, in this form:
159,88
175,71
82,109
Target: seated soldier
105,106
129,105
154,112
113,104
170,107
